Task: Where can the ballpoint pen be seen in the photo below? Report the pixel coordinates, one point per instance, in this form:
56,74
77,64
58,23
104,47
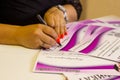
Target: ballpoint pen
41,19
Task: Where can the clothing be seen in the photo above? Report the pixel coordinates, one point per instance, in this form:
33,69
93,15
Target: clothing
23,12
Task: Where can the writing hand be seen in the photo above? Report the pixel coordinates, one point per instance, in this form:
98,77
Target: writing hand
36,36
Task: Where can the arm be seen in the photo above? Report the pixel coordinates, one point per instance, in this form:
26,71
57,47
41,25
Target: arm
30,36
7,34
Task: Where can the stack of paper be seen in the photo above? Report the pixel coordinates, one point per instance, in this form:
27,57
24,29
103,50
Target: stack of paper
91,46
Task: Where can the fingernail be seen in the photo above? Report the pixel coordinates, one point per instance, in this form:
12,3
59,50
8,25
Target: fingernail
58,40
66,33
62,35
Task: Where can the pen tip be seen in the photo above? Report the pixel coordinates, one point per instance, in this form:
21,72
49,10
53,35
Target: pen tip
60,44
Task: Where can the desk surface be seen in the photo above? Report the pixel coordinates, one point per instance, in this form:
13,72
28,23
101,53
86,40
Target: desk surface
16,63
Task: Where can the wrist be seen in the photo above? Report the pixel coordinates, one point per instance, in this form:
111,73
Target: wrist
61,8
71,12
17,35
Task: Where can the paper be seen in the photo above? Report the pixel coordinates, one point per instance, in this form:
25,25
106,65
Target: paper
90,77
71,62
93,38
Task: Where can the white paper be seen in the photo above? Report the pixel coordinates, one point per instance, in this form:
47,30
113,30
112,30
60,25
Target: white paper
107,49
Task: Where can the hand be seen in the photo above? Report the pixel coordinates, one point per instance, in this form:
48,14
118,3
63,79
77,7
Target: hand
36,36
55,18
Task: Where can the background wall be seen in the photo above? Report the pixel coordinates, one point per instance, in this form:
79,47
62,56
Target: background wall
99,8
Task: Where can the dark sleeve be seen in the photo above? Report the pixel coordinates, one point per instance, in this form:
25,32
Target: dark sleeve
76,4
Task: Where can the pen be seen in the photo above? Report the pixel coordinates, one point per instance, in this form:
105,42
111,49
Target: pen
41,19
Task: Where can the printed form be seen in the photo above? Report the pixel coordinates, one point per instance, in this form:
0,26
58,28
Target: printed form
93,42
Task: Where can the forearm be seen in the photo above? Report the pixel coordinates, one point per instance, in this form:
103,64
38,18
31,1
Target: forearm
7,34
71,13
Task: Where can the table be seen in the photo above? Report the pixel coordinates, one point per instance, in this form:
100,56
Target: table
16,63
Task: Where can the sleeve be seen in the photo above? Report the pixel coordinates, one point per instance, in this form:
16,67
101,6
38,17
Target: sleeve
76,4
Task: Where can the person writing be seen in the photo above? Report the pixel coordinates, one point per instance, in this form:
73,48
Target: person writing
20,26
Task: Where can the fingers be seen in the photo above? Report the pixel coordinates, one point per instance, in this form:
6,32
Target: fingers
60,27
45,42
41,44
47,37
50,31
36,36
55,19
44,45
